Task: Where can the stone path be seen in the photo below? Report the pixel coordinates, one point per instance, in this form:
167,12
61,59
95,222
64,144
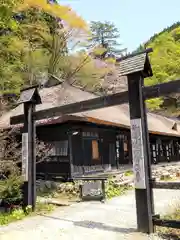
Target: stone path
116,219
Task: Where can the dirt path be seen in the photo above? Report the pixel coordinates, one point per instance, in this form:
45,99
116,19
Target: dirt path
116,219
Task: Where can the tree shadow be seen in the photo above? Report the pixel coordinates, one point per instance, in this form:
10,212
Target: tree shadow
95,225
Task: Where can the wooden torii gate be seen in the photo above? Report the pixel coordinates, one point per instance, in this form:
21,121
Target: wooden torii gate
136,67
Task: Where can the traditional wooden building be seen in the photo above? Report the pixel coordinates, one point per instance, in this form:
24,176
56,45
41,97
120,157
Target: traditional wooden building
94,141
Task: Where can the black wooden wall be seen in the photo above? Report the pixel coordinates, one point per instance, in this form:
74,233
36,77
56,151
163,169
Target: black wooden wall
72,154
57,161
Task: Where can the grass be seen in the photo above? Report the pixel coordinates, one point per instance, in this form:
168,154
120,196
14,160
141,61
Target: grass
115,190
171,233
167,178
19,214
128,173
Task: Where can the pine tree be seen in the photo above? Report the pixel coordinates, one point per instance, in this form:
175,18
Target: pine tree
105,35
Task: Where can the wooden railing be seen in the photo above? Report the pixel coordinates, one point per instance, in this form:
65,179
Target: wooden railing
157,221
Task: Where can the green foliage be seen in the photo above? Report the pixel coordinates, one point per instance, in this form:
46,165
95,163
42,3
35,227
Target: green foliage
168,29
128,173
70,191
6,14
154,104
105,35
10,189
139,49
18,214
44,208
166,178
86,70
33,41
115,190
36,50
165,59
10,156
23,59
6,218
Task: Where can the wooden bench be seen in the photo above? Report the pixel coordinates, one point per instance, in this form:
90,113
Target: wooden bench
90,190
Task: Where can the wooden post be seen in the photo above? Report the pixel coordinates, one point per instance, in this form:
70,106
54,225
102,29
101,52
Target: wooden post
71,154
28,156
141,154
29,97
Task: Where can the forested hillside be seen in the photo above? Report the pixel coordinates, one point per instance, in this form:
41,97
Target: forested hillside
38,42
38,46
165,61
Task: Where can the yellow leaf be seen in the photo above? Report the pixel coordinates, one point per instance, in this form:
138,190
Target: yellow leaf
65,13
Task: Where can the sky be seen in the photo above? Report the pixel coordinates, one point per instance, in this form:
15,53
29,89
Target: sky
136,20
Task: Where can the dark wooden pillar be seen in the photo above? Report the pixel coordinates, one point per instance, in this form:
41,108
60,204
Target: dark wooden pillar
156,148
29,160
141,154
176,149
29,97
70,154
130,149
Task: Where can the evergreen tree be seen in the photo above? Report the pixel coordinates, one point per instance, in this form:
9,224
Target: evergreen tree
105,35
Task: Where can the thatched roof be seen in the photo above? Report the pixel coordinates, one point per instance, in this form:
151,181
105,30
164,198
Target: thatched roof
115,116
114,82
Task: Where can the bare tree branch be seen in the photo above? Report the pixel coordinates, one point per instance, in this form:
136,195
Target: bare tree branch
11,153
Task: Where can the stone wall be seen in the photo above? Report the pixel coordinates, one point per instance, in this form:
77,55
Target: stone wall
160,173
169,172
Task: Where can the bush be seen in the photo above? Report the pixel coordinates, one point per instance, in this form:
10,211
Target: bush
115,190
18,214
10,162
10,190
44,208
15,215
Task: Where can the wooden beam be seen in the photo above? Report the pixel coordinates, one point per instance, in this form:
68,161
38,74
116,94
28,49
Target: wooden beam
87,105
161,90
167,223
155,91
166,185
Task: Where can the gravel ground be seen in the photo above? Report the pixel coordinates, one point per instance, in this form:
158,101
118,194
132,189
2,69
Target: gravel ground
115,219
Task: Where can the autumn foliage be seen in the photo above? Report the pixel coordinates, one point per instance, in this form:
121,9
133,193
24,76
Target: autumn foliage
62,12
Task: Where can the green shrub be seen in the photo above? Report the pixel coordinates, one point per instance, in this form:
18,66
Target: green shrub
10,189
18,214
114,190
44,208
166,178
15,215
